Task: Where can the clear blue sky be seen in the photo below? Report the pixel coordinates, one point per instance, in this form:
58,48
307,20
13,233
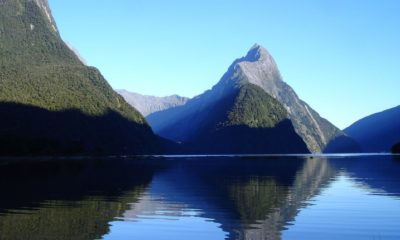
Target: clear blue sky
342,56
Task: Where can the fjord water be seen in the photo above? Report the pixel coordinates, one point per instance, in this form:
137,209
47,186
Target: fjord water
259,197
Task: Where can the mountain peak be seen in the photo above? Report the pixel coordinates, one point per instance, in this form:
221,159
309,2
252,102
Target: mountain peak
257,53
257,67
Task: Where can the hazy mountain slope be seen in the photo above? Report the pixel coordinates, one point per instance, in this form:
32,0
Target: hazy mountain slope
39,73
149,104
377,132
258,68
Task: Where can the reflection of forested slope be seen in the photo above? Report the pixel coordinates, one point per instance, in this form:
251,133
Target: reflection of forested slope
213,186
85,219
256,198
308,182
67,200
251,199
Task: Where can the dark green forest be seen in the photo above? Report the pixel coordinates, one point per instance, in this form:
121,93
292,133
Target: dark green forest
50,102
248,120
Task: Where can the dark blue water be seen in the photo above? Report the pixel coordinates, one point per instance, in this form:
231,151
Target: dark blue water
259,197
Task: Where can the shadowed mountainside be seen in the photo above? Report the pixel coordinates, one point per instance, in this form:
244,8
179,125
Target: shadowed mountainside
50,101
29,130
377,132
246,121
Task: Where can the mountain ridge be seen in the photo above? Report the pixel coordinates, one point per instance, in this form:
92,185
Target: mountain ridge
377,132
40,74
259,68
147,104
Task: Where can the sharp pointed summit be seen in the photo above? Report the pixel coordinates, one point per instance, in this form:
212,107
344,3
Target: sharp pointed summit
258,67
257,53
258,70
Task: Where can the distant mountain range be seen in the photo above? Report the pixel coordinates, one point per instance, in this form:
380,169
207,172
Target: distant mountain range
378,132
50,102
146,104
250,106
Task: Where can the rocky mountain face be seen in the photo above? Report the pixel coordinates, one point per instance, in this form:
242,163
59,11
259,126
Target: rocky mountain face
49,101
44,6
257,68
146,104
377,132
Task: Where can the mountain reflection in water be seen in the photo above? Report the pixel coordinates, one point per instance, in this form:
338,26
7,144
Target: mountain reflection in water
186,198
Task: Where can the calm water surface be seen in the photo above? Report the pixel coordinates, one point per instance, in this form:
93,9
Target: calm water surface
331,197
